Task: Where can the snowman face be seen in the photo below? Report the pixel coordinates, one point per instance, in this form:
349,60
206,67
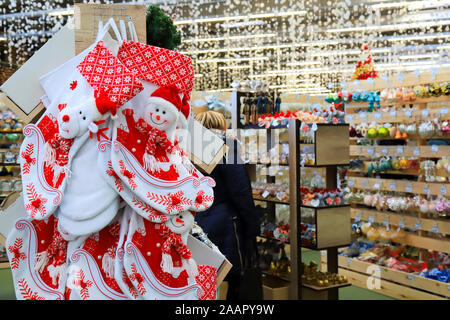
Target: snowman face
75,121
160,117
181,222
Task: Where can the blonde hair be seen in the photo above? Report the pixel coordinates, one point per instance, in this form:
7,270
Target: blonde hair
212,120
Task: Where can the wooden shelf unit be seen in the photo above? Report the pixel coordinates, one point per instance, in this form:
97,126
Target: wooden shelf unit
392,283
426,233
330,150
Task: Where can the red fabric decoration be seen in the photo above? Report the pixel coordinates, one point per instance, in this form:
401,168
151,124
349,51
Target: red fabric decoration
103,71
160,66
151,246
169,94
104,104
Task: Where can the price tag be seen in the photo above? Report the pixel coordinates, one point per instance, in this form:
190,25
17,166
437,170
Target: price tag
426,190
280,196
371,219
401,224
384,151
408,113
350,183
443,190
362,115
434,148
377,115
370,150
323,254
444,110
425,113
265,194
364,184
435,229
408,188
416,151
357,218
349,261
392,186
399,150
393,113
386,223
349,117
411,277
418,225
376,185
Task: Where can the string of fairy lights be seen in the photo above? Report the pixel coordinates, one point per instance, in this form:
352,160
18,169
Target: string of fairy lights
308,45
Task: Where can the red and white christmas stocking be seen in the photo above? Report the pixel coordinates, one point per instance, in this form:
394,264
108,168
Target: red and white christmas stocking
142,261
91,273
37,254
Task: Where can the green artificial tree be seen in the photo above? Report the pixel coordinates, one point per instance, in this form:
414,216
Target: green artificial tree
161,31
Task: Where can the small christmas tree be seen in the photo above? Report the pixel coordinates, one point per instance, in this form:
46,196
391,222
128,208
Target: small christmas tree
161,31
365,68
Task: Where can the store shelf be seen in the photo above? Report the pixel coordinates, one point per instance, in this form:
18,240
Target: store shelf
325,207
336,286
400,151
275,276
408,186
401,116
4,265
397,219
310,286
393,283
273,239
274,200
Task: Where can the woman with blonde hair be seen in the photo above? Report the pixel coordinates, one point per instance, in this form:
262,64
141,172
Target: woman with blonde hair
232,222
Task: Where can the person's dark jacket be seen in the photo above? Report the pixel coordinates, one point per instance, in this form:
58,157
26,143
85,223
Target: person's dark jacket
232,221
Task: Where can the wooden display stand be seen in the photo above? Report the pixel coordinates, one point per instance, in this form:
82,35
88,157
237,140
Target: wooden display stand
333,227
87,17
398,284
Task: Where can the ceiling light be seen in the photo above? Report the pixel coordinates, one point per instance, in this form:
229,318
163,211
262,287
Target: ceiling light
231,60
65,12
304,63
230,38
390,5
391,27
231,18
233,67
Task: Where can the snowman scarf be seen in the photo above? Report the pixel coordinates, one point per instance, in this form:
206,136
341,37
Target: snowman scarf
175,241
57,155
157,146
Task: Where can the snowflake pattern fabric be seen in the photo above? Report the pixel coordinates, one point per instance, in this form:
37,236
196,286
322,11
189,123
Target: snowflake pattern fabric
158,65
104,71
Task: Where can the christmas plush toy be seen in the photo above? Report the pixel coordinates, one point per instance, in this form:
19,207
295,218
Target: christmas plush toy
73,122
145,161
179,225
159,124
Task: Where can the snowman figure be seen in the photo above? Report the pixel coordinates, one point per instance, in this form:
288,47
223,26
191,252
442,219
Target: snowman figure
164,113
180,226
73,122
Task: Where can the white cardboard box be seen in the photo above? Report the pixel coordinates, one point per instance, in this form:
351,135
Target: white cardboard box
204,255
